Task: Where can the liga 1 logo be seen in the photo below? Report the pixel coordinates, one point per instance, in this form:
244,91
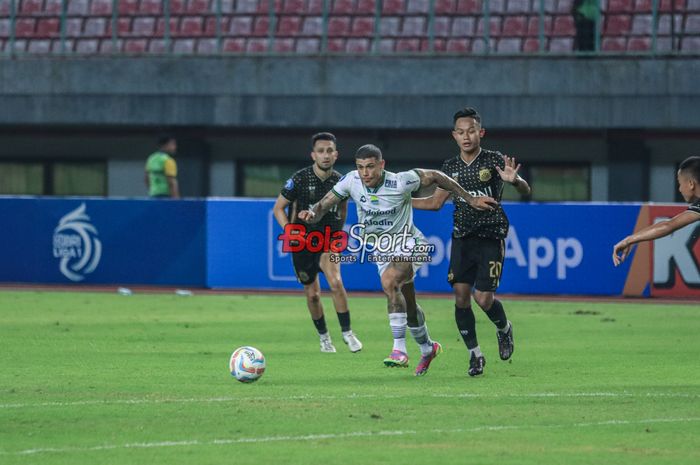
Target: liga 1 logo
369,246
75,242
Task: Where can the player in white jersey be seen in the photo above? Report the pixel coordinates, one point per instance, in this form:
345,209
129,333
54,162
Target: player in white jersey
384,211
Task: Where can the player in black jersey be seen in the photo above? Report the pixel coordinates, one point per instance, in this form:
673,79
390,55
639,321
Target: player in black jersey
478,237
689,186
306,187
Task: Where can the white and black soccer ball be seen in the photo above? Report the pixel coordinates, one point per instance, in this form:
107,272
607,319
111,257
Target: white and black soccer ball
247,364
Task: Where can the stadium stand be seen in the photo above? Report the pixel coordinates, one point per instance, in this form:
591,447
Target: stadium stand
243,26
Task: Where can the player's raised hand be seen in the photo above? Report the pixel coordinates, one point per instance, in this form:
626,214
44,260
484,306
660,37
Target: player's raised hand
483,203
509,173
306,215
620,251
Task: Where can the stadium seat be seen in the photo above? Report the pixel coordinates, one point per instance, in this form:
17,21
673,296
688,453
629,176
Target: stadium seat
561,45
47,27
690,44
289,26
294,7
692,24
613,44
206,46
241,26
468,7
445,7
312,26
339,26
463,27
183,46
458,46
358,46
144,27
521,6
617,25
408,45
639,44
129,8
389,26
366,7
39,46
515,26
191,26
533,26
620,6
563,26
414,26
641,25
101,8
151,7
308,46
509,45
343,7
88,47
25,27
362,27
393,7
96,27
29,7
242,6
417,7
236,45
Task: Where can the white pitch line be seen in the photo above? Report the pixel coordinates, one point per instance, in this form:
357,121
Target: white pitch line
142,401
316,437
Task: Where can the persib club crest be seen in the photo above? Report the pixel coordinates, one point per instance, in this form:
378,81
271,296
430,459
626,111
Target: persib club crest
76,244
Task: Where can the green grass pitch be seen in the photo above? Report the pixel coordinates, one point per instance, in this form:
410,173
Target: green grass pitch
90,378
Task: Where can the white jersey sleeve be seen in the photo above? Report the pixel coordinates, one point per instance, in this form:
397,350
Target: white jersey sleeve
343,187
409,181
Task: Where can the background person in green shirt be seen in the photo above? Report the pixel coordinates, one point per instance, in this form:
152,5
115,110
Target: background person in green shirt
161,170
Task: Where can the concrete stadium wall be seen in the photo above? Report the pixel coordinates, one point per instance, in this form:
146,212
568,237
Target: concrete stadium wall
349,92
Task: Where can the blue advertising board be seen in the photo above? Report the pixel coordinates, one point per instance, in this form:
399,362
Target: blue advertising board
103,241
233,243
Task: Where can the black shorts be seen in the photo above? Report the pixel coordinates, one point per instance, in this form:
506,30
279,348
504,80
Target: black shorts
307,265
476,261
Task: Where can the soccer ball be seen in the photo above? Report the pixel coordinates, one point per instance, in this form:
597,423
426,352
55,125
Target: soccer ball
247,364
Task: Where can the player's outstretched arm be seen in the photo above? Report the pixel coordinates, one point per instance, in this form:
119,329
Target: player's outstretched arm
622,249
509,174
434,202
322,207
430,177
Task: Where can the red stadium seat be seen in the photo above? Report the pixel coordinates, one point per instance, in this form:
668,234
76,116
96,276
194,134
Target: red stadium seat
639,44
29,7
458,45
515,26
439,45
469,7
343,7
234,45
160,30
192,26
336,45
613,44
532,45
533,26
445,7
620,6
101,8
25,27
210,27
362,27
339,26
294,7
494,27
366,7
135,45
284,45
289,26
408,45
151,7
130,8
563,26
393,7
261,27
616,25
197,7
47,27
257,46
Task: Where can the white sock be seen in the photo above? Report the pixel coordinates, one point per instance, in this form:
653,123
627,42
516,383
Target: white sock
505,330
475,351
397,322
420,334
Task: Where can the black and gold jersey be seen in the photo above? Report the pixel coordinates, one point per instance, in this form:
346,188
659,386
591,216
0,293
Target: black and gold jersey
480,179
304,189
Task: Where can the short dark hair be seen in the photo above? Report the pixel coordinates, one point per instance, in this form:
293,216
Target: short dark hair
368,151
164,139
691,167
467,112
322,136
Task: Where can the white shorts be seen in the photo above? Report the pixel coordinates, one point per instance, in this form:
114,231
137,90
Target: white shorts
401,254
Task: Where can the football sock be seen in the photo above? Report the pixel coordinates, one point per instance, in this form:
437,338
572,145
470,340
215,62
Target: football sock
476,351
497,315
420,334
344,319
397,322
466,324
320,325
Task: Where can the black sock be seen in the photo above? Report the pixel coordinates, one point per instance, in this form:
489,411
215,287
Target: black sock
320,325
466,323
344,319
497,315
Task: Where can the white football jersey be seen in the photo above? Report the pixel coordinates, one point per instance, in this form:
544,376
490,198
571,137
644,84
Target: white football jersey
386,208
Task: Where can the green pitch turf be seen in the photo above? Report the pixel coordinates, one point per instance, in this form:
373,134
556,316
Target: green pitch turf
91,378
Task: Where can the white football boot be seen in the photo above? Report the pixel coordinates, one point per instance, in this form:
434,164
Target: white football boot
326,343
352,341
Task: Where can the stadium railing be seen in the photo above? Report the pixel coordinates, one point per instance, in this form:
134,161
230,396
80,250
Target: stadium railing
355,27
